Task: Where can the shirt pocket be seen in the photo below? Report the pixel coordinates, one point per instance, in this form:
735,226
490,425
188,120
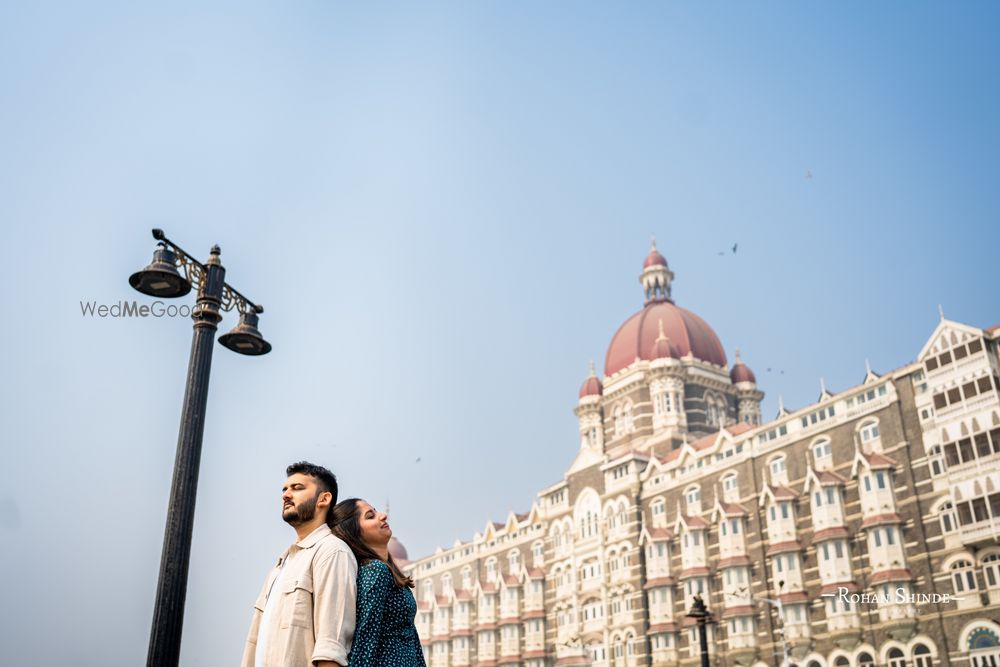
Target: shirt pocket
298,602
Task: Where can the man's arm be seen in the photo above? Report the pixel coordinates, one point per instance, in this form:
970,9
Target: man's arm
334,592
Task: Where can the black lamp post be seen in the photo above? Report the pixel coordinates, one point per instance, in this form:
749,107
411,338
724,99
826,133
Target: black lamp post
702,617
162,279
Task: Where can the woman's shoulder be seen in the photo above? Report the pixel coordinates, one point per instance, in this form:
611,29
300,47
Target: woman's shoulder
374,571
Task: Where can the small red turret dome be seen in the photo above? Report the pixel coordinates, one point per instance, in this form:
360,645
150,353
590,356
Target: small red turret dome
741,372
592,385
662,347
654,258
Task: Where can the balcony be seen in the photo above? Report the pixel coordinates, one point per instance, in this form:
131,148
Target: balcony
742,648
900,620
981,531
845,629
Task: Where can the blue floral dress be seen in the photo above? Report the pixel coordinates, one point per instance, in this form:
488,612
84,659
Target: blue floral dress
385,635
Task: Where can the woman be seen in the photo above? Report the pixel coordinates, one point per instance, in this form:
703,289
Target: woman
385,635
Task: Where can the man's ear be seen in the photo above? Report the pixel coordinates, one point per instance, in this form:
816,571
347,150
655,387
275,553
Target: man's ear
324,499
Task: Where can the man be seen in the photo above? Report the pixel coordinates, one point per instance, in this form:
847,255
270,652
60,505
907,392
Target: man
305,613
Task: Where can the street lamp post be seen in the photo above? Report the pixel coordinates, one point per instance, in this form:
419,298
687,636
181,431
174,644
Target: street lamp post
781,617
702,617
162,279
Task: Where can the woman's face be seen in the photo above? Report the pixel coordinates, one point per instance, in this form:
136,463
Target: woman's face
374,525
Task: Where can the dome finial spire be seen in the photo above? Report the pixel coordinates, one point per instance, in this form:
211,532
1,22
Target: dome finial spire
593,370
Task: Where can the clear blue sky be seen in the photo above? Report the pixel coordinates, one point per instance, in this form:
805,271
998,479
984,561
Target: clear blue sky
444,209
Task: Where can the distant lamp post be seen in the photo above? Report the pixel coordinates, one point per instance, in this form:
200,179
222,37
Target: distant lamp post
781,618
163,279
699,612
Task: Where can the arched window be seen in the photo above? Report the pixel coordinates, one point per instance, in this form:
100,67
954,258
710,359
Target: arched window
629,424
922,656
729,483
936,460
991,570
869,433
538,553
841,661
896,658
513,561
963,577
466,577
814,663
446,584
491,568
692,496
822,451
865,659
777,467
947,515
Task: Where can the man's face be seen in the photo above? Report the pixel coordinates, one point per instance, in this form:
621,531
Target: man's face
298,499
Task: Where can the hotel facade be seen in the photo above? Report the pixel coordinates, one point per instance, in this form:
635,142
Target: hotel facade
861,530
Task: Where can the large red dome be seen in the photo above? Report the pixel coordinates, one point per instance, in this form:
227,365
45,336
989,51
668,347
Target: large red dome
687,332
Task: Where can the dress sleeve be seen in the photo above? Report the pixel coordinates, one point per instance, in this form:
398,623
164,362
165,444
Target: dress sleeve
374,584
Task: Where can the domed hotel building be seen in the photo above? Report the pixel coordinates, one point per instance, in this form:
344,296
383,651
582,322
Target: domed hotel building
861,530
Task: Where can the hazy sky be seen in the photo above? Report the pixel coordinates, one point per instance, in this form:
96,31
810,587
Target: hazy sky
444,209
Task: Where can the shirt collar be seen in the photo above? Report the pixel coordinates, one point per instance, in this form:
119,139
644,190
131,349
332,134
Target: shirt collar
314,537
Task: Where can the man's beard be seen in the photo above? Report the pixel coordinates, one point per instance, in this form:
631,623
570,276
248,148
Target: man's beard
304,513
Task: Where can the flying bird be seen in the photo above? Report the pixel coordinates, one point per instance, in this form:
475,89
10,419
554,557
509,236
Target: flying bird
809,173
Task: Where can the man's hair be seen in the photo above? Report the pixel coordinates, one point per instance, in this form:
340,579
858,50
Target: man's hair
325,480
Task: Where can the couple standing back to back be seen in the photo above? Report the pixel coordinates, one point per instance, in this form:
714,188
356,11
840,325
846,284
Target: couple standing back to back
335,597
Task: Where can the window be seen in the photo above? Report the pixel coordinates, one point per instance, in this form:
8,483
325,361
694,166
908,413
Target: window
866,660
896,658
778,466
729,482
693,497
963,577
922,656
538,552
991,570
869,432
822,451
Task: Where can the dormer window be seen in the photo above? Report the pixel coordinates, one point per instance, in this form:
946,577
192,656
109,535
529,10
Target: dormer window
491,568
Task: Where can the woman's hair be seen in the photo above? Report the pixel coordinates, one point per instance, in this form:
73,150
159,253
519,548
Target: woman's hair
344,521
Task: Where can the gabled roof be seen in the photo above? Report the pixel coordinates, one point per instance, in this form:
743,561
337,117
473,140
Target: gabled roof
873,461
690,522
774,492
944,327
728,510
822,478
654,535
